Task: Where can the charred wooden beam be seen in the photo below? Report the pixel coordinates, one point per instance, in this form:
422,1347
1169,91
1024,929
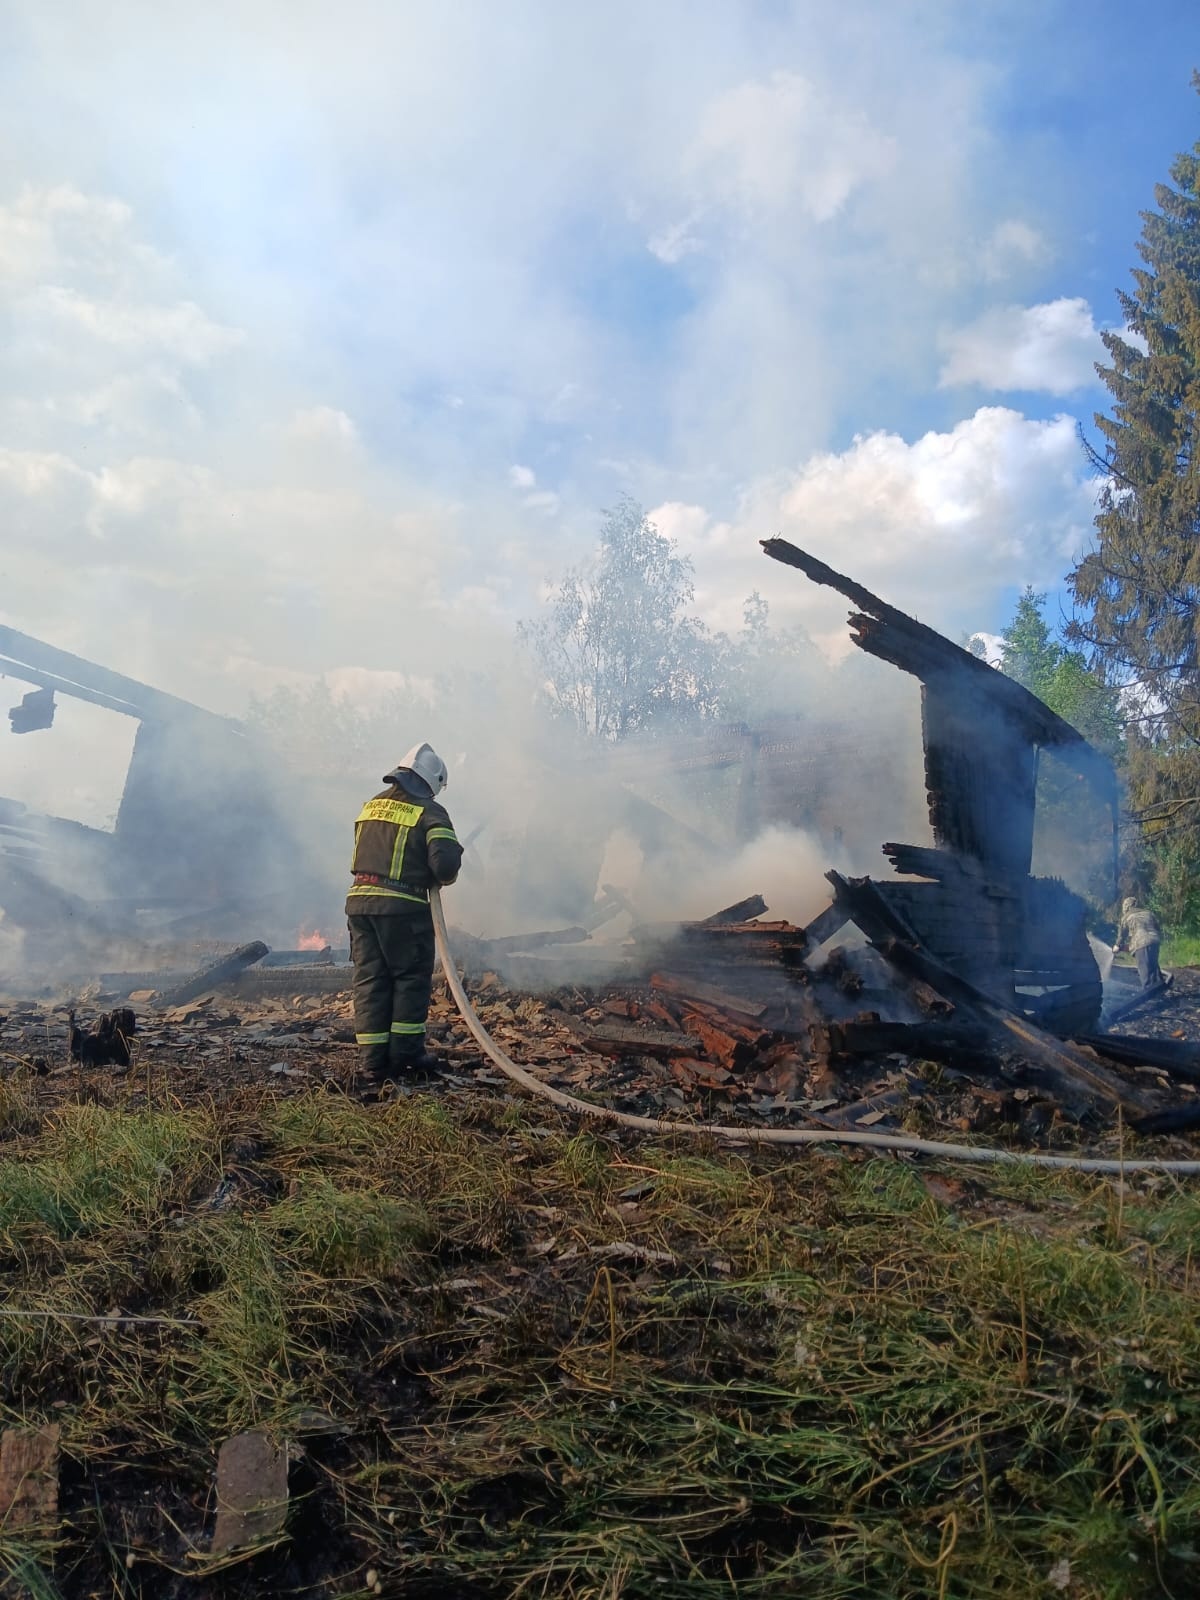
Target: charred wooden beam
919,861
859,900
951,1042
916,648
626,1038
33,661
743,911
1176,1119
825,924
1172,1056
1074,1076
217,973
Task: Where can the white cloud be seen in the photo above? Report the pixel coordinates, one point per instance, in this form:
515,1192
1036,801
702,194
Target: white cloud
993,647
522,477
772,149
1049,348
44,226
938,526
676,240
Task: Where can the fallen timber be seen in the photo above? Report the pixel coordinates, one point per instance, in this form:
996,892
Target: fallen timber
765,1049
772,1026
216,973
1173,1057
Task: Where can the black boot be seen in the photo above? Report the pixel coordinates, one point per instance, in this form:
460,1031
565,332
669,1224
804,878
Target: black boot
412,1066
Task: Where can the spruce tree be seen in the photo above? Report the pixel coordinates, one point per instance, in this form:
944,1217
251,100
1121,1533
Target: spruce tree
1141,584
1073,838
1138,590
1030,654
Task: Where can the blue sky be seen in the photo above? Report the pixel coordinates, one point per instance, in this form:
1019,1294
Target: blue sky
323,317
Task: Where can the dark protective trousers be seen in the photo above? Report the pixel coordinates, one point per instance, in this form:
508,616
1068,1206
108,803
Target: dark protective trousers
1147,965
393,976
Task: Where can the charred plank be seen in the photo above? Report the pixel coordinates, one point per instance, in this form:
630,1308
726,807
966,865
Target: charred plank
218,973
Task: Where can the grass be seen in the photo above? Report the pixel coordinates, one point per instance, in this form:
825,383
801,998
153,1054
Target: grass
1181,950
514,1358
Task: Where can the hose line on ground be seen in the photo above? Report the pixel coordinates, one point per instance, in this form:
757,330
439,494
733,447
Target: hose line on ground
980,1154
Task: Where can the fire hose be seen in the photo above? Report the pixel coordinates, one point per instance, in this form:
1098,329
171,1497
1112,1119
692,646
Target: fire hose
979,1154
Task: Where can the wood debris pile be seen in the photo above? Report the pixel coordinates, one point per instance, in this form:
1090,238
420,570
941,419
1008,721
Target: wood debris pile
714,1021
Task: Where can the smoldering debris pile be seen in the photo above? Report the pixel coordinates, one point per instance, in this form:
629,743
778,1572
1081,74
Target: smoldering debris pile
960,991
734,1021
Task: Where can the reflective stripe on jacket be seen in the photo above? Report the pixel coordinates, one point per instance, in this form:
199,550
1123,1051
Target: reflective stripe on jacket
403,843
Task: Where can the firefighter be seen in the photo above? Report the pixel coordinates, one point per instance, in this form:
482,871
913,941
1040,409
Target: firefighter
1140,933
404,842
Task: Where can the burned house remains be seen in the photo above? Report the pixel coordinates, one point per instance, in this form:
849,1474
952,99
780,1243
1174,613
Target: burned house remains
971,901
200,842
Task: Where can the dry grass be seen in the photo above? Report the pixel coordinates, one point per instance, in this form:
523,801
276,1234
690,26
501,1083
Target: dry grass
514,1358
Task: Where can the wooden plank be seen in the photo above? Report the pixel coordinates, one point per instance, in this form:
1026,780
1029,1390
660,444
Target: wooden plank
743,911
28,1479
217,973
719,1045
252,1492
739,1006
625,1038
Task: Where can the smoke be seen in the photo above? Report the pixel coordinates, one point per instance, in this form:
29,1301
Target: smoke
785,865
324,358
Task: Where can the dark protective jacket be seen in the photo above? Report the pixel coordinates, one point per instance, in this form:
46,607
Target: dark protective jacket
404,842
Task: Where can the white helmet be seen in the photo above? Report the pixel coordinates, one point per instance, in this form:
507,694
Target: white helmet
424,760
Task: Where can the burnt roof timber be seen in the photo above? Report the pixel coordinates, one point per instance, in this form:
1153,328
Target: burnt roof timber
31,660
884,631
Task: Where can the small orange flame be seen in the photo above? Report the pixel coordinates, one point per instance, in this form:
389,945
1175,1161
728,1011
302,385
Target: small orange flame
311,941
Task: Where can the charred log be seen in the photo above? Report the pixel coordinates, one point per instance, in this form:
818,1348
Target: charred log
219,972
743,911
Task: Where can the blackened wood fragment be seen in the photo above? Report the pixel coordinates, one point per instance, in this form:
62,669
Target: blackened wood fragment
625,1038
107,1044
743,911
219,972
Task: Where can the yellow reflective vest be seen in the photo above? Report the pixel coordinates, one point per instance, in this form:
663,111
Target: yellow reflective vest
403,844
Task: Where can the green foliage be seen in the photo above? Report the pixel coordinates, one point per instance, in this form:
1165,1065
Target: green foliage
618,652
1030,653
768,671
1059,676
1139,588
1074,827
1141,585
